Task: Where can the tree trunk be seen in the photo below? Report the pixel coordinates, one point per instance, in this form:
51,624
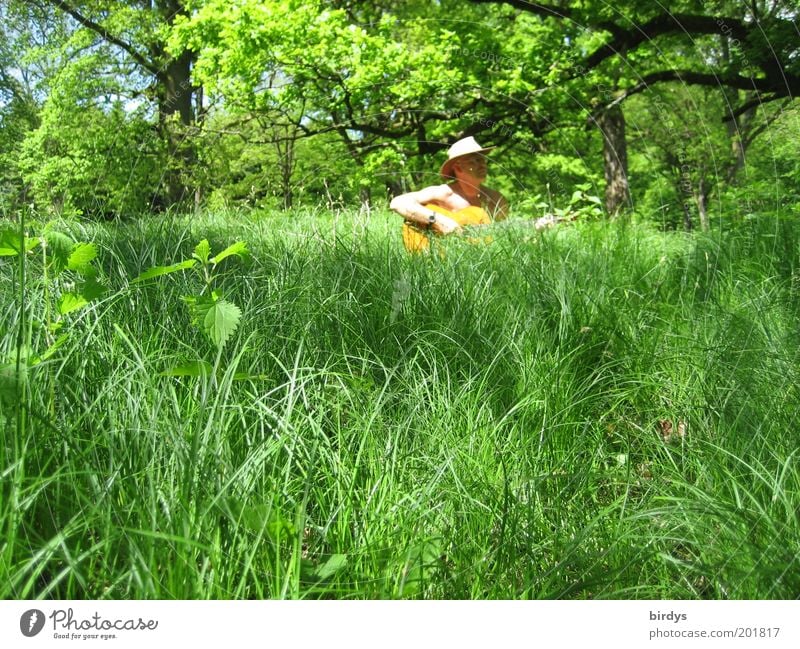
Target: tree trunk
394,187
615,159
285,150
287,169
172,88
176,114
175,98
688,225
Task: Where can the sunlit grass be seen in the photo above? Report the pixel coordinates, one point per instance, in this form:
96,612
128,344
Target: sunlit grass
490,423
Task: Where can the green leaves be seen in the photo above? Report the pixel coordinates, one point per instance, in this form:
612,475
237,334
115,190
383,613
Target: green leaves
239,249
216,318
220,321
63,265
12,243
9,243
69,302
158,271
418,568
202,251
59,248
82,255
91,289
329,57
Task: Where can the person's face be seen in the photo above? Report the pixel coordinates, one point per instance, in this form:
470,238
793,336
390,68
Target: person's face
474,165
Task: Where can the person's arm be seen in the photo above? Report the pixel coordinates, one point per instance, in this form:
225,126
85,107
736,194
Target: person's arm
411,206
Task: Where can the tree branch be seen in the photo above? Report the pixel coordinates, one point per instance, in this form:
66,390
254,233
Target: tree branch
626,39
709,79
757,101
106,35
549,11
748,139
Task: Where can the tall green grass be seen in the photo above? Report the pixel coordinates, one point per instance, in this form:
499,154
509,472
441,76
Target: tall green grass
488,423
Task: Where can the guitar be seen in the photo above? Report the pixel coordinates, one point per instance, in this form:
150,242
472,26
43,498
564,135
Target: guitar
417,238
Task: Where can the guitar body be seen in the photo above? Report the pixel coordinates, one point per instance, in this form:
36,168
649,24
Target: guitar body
417,239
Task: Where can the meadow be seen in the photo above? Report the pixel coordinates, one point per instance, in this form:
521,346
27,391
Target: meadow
600,410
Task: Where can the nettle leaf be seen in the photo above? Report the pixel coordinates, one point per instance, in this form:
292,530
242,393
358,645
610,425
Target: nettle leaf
91,289
202,251
239,248
69,302
157,271
220,321
81,257
10,242
217,318
59,247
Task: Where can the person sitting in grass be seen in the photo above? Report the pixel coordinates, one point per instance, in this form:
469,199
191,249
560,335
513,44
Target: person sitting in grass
462,200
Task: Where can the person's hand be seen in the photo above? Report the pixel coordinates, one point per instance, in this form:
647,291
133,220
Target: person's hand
444,225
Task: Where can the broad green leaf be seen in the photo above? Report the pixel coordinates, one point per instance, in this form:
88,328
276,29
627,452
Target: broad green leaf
59,248
333,565
69,302
194,368
239,248
9,242
202,251
220,321
91,289
199,306
157,271
81,256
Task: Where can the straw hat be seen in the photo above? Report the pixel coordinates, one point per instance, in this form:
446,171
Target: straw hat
463,147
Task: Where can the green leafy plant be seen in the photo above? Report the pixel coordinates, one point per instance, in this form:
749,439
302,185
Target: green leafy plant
65,274
59,279
216,317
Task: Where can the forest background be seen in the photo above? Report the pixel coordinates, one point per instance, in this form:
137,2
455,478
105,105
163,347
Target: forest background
684,113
